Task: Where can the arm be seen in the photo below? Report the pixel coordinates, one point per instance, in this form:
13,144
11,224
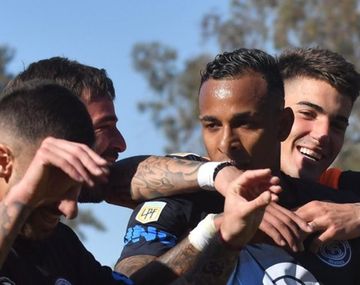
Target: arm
148,177
185,255
13,214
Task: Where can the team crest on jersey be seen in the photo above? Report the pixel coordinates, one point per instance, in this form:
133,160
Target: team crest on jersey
62,281
6,281
336,253
150,212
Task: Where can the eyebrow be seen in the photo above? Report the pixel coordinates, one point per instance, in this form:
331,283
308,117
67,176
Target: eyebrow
237,116
107,119
321,110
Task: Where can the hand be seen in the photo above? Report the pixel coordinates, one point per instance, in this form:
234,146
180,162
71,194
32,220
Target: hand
58,166
332,221
224,178
242,217
284,227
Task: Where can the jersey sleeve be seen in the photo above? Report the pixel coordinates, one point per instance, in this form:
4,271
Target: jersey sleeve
331,177
156,226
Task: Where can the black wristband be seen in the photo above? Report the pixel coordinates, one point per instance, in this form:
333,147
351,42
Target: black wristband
221,166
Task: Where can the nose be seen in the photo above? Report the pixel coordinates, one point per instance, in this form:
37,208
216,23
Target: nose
119,141
68,206
321,131
229,142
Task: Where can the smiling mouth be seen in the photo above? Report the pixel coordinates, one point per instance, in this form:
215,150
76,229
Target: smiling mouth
310,154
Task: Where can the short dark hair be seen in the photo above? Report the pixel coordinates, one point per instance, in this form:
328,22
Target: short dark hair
321,64
37,109
231,65
71,74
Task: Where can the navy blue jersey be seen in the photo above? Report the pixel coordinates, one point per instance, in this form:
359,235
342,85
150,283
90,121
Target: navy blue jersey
60,259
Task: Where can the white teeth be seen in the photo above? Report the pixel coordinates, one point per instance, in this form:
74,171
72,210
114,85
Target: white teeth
310,153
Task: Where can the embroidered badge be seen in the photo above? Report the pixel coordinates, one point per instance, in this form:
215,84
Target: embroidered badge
336,253
150,212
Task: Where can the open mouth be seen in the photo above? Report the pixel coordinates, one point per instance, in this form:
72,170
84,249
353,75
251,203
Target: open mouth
310,154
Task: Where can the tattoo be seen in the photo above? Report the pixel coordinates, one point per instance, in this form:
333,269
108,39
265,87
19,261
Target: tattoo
131,264
12,218
164,176
181,257
213,266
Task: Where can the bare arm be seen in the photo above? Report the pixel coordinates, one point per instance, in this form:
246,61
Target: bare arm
150,177
177,261
12,216
147,177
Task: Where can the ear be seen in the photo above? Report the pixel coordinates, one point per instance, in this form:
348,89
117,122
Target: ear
6,162
286,122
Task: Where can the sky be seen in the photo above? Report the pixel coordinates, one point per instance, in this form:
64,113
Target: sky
101,34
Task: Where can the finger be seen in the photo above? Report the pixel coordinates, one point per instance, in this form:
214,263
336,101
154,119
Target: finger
287,228
93,162
46,157
297,220
320,240
77,158
272,232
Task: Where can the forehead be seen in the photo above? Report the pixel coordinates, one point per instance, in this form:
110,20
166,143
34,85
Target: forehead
317,92
101,109
245,92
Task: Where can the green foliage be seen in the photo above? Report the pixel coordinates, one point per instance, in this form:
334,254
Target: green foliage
6,55
173,109
270,25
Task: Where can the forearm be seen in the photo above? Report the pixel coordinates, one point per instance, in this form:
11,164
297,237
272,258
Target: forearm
163,269
213,265
148,177
13,215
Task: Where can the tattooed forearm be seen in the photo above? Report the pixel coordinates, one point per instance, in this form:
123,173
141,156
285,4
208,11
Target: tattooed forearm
213,266
147,177
161,270
181,257
131,264
162,176
12,217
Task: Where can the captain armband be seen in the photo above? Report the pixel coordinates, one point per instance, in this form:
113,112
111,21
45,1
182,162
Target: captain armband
207,173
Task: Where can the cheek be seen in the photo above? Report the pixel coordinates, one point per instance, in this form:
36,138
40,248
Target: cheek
337,141
100,143
210,144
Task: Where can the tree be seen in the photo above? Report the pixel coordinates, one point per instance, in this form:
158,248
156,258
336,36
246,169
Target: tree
268,24
6,55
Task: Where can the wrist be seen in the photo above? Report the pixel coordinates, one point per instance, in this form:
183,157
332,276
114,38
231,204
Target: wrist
203,233
17,194
225,242
207,174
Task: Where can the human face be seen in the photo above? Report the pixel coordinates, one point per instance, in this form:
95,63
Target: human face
109,140
321,118
43,220
237,123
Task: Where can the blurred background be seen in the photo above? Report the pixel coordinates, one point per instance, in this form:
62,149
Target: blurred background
153,51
